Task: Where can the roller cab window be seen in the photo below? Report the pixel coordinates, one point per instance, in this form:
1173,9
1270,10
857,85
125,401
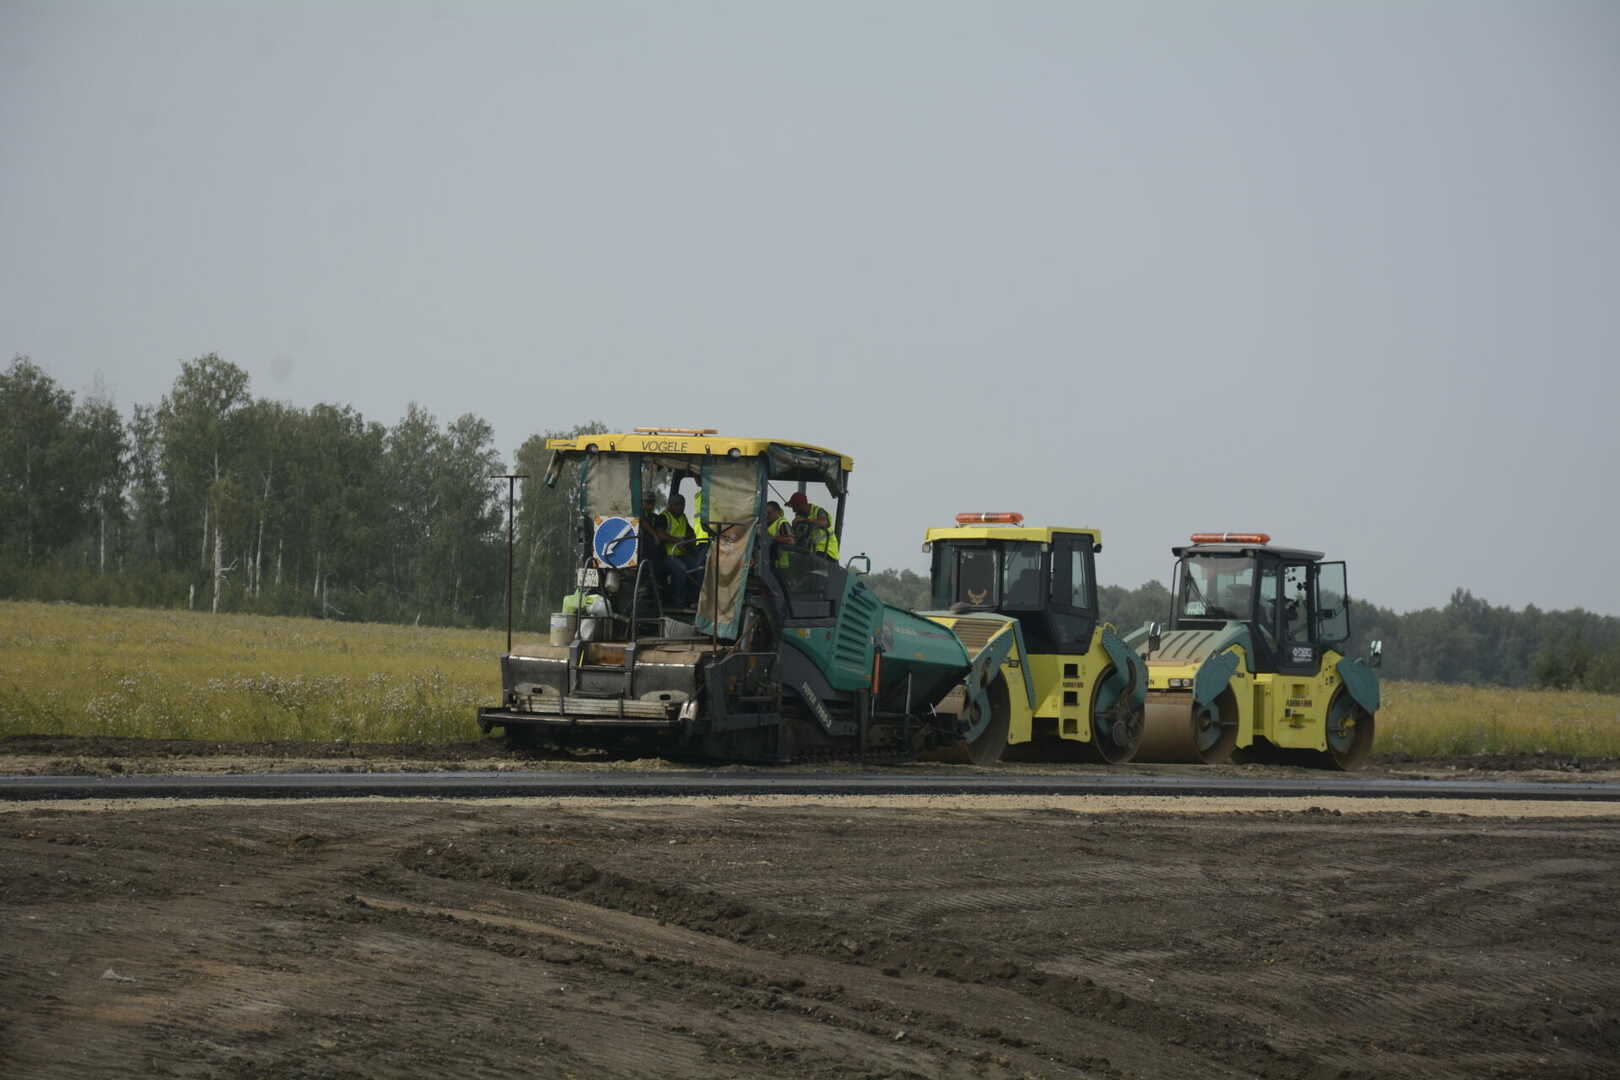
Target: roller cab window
1072,616
1215,588
967,575
1297,648
1332,605
1022,572
1002,576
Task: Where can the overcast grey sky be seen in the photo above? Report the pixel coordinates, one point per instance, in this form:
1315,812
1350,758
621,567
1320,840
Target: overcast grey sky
1344,272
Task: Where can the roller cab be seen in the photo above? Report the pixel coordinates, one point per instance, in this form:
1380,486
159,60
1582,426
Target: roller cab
1251,662
1071,685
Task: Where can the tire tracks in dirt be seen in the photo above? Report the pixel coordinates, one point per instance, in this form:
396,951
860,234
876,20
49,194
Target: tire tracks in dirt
702,939
927,977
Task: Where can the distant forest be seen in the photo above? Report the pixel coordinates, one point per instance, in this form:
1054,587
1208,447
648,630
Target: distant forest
1467,641
216,500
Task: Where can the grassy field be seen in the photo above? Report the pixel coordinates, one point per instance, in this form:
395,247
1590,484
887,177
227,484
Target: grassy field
1439,720
70,670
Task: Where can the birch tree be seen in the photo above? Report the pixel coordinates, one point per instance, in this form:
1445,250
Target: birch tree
43,481
198,422
103,453
146,490
414,448
468,532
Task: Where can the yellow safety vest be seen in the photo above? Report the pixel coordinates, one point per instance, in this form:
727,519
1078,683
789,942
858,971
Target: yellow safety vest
677,527
780,530
823,541
698,530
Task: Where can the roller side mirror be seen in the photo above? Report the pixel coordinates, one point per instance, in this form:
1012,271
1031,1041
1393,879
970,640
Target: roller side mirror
1155,633
1375,654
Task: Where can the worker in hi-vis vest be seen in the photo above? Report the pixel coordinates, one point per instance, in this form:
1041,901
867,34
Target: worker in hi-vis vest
816,523
698,531
673,544
778,530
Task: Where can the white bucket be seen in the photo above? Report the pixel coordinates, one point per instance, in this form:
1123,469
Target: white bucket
562,629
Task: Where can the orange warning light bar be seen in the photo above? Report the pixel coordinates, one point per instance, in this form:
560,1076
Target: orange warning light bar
1231,538
1005,517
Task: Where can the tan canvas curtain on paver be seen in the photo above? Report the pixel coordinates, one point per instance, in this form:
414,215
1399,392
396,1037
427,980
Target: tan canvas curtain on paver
732,506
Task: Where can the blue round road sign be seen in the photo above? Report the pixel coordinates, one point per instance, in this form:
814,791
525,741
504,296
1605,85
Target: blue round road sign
615,541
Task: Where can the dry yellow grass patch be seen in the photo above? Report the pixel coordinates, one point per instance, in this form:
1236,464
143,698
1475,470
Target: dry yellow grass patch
1435,719
72,670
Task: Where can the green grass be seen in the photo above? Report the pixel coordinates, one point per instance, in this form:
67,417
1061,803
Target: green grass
72,670
1439,720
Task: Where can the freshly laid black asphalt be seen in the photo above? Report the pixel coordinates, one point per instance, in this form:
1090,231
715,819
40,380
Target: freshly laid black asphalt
463,785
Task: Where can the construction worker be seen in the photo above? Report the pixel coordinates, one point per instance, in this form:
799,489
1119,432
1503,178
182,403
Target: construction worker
778,530
673,541
698,531
816,524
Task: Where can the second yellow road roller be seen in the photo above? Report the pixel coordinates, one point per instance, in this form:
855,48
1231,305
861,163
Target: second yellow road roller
1069,686
1251,661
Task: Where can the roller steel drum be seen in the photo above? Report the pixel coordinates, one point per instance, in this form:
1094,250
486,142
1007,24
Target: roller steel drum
1175,728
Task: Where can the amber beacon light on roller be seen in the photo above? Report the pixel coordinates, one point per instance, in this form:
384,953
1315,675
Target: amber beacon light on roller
1005,517
1231,538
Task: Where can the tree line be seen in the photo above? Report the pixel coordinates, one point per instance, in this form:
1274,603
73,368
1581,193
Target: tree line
214,499
1467,641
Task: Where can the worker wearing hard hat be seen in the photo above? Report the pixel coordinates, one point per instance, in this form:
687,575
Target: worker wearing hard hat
815,525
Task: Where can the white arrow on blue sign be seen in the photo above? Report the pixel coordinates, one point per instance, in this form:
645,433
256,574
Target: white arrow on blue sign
615,542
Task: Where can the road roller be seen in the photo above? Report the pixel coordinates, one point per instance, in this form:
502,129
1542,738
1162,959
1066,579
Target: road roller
1250,663
732,634
1074,689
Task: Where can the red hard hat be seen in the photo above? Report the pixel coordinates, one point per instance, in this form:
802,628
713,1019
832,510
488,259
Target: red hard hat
797,499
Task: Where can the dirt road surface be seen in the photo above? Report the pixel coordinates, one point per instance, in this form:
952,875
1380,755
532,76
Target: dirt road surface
922,937
703,938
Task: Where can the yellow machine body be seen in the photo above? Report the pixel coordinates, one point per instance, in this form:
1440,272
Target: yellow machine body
1288,711
1253,660
692,441
1066,684
1072,684
1041,534
1061,686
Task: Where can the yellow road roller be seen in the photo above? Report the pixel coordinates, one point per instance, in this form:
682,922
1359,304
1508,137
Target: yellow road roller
1068,685
1250,662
